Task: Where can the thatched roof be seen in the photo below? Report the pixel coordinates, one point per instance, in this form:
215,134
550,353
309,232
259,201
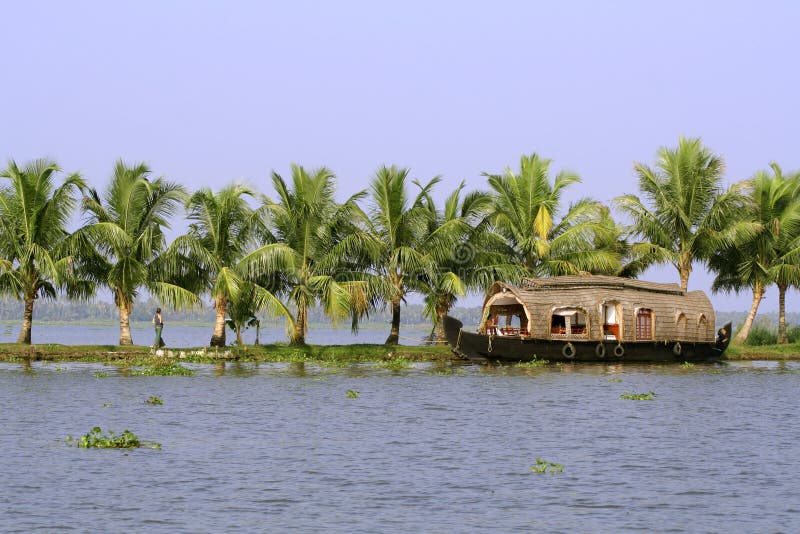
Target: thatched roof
541,297
599,282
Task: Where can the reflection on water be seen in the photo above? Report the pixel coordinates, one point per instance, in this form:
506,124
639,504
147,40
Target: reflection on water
429,448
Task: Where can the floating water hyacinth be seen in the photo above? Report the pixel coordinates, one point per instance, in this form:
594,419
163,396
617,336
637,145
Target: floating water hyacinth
543,466
533,363
95,439
638,396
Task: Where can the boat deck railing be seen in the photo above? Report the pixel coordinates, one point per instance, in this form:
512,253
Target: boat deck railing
560,334
506,331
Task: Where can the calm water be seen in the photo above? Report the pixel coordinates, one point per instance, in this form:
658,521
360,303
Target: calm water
279,448
178,336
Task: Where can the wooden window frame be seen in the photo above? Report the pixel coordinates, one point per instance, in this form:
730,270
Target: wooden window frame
645,331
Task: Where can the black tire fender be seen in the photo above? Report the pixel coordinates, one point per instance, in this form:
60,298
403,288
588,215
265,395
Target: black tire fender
568,350
600,350
619,351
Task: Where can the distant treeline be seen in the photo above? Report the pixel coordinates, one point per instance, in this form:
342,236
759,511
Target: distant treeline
413,314
99,311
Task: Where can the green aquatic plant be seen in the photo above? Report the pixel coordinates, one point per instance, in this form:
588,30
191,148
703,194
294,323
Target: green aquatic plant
533,363
59,368
296,356
154,400
687,365
615,379
329,362
543,466
351,394
105,405
100,374
395,364
95,439
447,371
173,369
638,396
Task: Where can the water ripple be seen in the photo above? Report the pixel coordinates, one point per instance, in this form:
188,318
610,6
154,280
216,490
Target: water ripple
266,449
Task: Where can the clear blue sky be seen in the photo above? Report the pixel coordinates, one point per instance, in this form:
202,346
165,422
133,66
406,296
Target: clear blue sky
208,92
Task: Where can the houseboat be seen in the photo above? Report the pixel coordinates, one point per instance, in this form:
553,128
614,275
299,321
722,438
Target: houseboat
592,319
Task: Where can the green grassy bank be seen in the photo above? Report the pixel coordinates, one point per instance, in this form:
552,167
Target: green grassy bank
262,353
339,354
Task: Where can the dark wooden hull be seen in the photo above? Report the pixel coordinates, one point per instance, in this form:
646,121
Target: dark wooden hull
515,349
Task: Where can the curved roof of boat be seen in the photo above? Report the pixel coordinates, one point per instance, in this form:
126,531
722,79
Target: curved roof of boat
598,281
529,287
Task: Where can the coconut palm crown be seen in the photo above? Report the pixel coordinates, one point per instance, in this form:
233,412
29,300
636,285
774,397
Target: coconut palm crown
220,249
125,228
463,251
527,212
689,215
322,249
34,256
771,253
399,225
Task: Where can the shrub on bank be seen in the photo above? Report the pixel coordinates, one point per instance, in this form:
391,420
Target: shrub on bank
761,335
767,335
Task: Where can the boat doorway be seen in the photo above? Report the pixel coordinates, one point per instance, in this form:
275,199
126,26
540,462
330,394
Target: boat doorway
505,315
612,326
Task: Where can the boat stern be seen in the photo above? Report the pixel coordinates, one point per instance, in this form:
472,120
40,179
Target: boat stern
723,337
452,331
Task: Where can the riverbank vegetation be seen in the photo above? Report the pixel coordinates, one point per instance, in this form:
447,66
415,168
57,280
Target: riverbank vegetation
256,257
167,362
140,356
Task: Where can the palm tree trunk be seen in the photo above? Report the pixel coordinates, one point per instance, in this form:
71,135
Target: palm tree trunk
684,270
125,310
221,307
300,325
441,311
27,319
783,339
758,294
394,335
239,341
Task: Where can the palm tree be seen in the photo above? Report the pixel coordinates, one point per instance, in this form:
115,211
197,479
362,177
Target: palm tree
242,312
34,212
770,253
400,227
690,215
126,229
221,247
463,251
526,211
321,247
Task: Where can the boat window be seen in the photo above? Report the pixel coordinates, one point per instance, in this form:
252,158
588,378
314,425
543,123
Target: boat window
702,327
558,325
568,322
507,319
644,324
682,324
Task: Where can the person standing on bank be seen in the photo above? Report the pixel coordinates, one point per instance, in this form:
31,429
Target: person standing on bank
158,322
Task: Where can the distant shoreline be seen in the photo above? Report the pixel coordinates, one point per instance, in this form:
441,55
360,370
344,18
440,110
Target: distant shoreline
344,325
